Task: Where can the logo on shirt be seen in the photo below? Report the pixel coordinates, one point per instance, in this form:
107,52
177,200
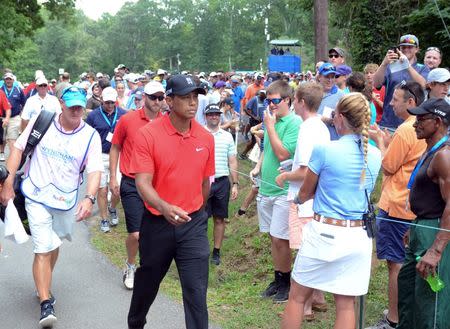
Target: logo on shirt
198,149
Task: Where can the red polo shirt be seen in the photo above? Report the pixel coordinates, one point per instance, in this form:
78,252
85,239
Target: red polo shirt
179,162
124,135
4,103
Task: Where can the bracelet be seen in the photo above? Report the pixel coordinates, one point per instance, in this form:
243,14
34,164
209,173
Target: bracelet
297,200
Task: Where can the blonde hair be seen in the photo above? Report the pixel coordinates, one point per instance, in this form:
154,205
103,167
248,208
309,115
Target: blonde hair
356,109
371,67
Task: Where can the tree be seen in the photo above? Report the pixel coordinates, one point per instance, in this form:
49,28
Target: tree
321,28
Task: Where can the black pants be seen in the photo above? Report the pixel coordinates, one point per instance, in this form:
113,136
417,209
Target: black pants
160,243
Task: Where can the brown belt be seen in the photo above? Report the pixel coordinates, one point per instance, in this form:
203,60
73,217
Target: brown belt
338,222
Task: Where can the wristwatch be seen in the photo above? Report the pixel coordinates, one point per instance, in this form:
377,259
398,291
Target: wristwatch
236,183
91,198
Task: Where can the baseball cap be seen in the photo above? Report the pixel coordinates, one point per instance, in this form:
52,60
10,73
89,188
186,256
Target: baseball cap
38,74
99,75
235,79
212,108
337,50
74,96
181,85
229,101
438,75
327,69
213,74
121,66
160,71
409,40
41,81
436,106
343,70
8,75
138,94
220,84
109,94
258,76
153,87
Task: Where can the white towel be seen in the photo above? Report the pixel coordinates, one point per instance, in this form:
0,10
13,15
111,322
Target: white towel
13,225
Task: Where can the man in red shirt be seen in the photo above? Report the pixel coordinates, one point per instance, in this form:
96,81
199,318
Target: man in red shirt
122,144
173,159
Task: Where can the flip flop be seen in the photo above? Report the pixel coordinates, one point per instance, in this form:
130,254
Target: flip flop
320,307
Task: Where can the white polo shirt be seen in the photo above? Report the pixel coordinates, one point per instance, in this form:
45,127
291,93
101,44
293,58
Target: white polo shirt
35,104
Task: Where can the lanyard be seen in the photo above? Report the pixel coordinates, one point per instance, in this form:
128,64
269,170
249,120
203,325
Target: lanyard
6,91
111,125
419,164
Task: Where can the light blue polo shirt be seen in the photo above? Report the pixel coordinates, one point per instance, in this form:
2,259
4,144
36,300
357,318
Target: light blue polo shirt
339,164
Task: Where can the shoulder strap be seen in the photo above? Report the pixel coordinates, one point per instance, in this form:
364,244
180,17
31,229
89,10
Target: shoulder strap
38,131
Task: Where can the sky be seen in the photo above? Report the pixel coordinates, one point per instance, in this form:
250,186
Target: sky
96,8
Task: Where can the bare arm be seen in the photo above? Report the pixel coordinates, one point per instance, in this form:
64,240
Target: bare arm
233,164
206,186
292,176
309,186
12,164
23,124
151,197
84,208
113,160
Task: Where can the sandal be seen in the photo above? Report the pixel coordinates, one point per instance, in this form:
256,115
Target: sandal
309,317
320,307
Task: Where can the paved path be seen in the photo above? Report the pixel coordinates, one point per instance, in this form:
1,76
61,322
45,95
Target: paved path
88,289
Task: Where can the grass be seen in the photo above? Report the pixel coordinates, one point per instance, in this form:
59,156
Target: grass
245,271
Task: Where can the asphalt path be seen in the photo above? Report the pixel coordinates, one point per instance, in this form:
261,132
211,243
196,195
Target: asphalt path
88,289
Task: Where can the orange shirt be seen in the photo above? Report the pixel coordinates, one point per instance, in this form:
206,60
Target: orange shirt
178,162
251,92
124,135
398,163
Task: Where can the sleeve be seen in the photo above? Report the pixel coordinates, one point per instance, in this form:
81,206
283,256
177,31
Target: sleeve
307,145
89,118
210,168
395,154
26,110
94,160
251,104
4,101
142,160
289,139
23,99
317,160
21,142
119,132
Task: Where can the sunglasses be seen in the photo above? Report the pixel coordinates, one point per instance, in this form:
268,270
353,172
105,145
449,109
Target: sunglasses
434,48
275,101
404,86
154,98
42,86
333,56
420,119
110,103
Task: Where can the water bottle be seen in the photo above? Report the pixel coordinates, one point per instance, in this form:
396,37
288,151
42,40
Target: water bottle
435,282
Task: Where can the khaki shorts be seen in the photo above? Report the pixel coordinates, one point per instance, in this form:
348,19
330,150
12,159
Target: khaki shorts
104,180
12,131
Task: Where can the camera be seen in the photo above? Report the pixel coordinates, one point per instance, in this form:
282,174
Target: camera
369,221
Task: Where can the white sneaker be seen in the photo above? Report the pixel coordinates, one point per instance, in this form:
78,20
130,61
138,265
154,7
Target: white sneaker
114,219
128,276
104,226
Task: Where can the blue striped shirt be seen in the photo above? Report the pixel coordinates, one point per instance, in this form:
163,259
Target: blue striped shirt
224,148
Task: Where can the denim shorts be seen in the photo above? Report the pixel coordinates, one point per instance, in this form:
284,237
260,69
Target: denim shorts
389,240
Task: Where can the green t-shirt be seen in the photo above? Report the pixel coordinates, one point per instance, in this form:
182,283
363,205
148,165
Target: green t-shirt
287,130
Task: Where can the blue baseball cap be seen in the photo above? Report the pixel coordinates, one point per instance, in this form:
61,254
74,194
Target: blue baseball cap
326,69
74,96
343,70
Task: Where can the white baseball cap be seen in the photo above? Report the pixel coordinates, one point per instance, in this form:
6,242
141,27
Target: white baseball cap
109,94
153,87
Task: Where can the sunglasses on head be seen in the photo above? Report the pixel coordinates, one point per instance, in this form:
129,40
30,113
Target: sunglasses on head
154,98
434,48
275,101
404,86
333,56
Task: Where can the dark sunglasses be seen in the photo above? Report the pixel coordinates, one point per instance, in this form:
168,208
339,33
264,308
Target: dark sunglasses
154,98
42,86
420,119
110,103
333,56
275,101
404,86
434,48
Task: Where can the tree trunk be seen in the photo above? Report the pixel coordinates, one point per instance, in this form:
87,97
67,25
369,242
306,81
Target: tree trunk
321,29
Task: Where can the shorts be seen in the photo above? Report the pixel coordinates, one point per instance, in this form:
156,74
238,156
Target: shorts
389,238
132,204
296,225
334,259
219,197
13,128
273,215
104,180
48,226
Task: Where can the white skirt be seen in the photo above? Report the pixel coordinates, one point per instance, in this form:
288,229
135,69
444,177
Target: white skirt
334,259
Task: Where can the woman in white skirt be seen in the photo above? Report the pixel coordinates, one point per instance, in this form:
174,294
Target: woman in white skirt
335,255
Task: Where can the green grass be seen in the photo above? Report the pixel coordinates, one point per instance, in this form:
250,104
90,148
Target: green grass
245,271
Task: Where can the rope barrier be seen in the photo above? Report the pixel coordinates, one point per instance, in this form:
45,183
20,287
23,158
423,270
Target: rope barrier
378,217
